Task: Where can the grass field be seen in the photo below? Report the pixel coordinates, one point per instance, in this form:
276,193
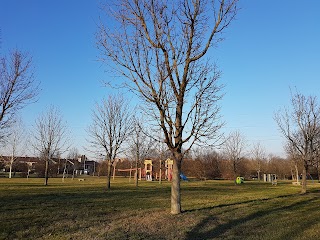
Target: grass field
212,210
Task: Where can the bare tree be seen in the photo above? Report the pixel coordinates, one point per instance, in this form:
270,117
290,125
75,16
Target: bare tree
160,47
14,142
301,128
111,125
17,87
233,148
50,137
258,154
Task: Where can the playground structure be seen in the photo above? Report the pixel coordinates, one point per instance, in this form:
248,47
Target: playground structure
168,164
130,170
148,169
150,174
151,171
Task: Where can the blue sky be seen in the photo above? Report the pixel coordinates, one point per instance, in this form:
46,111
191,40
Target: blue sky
273,45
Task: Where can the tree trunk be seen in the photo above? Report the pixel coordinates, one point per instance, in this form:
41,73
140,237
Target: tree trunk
64,171
10,171
46,173
109,175
136,174
234,172
160,173
304,179
175,185
297,172
318,170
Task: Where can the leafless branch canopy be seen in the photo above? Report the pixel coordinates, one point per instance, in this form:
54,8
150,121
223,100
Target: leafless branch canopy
17,86
258,152
159,45
301,125
140,143
111,125
51,136
234,146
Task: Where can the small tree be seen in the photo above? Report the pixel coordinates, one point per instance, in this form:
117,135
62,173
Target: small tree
50,137
110,128
301,128
18,87
14,142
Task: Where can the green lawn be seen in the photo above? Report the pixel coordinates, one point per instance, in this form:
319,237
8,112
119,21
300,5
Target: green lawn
212,210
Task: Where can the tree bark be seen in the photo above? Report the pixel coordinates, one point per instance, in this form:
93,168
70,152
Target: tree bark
304,179
46,173
109,175
297,172
136,174
175,185
10,171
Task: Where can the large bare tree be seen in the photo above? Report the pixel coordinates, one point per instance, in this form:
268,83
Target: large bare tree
301,128
50,137
111,125
160,47
18,86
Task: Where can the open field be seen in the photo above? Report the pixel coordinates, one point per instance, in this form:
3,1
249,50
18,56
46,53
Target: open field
213,210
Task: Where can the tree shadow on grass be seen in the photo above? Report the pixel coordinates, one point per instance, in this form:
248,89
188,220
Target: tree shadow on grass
241,203
23,211
209,227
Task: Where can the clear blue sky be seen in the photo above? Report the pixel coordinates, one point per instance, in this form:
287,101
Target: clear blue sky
272,46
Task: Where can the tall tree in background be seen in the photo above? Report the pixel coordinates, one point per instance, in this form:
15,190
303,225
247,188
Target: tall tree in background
140,144
301,128
258,154
234,147
160,47
18,87
73,154
50,137
111,125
